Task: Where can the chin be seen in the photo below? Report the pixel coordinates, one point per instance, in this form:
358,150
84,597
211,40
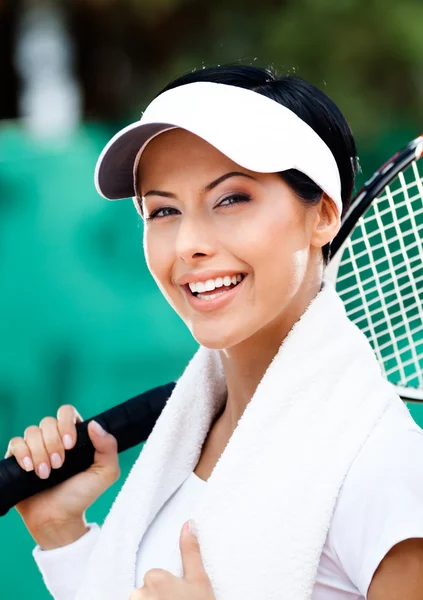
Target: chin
216,338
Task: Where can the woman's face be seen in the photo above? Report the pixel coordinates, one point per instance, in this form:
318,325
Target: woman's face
210,222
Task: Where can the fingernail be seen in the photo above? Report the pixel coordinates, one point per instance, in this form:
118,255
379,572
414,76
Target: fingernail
99,429
67,441
192,528
43,470
56,461
28,463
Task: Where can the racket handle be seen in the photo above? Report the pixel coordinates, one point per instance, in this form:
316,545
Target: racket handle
130,422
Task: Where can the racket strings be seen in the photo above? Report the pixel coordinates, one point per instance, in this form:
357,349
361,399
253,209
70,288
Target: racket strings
380,277
390,302
392,232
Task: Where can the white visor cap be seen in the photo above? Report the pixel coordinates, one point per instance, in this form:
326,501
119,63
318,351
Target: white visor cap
254,131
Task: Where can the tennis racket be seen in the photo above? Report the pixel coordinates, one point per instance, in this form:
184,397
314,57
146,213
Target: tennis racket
377,268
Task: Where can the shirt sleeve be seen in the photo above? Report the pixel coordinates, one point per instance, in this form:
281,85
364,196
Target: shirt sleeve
63,568
380,503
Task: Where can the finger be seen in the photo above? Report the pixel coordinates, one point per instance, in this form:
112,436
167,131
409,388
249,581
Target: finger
141,594
192,562
67,417
40,458
52,441
159,579
159,583
106,452
17,447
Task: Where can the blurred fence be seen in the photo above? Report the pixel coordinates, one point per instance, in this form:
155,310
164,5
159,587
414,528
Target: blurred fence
81,320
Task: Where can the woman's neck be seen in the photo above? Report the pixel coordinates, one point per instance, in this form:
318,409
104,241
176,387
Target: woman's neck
245,364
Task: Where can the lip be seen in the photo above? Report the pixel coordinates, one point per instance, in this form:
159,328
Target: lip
216,303
205,275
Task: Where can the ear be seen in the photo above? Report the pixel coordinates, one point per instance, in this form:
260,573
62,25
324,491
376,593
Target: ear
327,222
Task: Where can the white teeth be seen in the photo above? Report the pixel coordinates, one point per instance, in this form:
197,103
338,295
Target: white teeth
210,296
211,284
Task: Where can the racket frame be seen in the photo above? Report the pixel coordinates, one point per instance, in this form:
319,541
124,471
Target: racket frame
359,205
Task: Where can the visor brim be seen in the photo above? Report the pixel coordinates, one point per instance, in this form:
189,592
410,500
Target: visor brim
114,177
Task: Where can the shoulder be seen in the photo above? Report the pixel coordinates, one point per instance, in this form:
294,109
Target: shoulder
381,501
392,453
389,448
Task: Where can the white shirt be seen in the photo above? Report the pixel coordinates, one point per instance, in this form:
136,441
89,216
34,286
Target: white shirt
379,505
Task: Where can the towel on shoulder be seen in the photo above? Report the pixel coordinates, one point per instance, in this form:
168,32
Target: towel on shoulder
267,509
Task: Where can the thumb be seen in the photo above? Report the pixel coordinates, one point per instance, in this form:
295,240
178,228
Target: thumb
192,562
105,445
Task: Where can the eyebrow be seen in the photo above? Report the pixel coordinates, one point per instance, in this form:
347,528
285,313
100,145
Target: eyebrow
207,188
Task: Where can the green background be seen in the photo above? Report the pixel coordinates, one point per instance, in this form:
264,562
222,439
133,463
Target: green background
81,320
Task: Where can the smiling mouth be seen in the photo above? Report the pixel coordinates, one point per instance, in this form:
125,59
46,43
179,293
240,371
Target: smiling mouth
221,287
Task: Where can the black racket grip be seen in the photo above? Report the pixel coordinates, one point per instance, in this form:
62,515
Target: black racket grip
130,422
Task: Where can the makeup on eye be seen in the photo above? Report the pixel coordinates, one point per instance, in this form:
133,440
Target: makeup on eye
155,213
236,197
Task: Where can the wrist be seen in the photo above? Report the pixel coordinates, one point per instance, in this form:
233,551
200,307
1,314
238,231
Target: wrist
57,535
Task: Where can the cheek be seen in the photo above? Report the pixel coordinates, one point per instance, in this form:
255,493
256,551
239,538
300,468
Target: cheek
159,261
278,251
275,241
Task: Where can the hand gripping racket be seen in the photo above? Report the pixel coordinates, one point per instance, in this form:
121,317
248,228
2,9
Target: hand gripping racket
377,268
130,422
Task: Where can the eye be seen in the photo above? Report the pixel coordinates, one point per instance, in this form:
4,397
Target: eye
161,213
234,199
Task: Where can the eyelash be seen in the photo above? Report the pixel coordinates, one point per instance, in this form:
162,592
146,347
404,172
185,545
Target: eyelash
239,198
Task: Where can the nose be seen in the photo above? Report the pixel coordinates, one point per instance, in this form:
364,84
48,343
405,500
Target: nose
194,240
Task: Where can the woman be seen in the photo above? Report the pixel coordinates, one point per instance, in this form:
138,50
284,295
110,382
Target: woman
295,458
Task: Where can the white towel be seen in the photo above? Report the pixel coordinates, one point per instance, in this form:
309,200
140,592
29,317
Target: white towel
268,504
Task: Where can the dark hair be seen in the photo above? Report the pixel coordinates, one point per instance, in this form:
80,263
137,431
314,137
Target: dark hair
306,101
